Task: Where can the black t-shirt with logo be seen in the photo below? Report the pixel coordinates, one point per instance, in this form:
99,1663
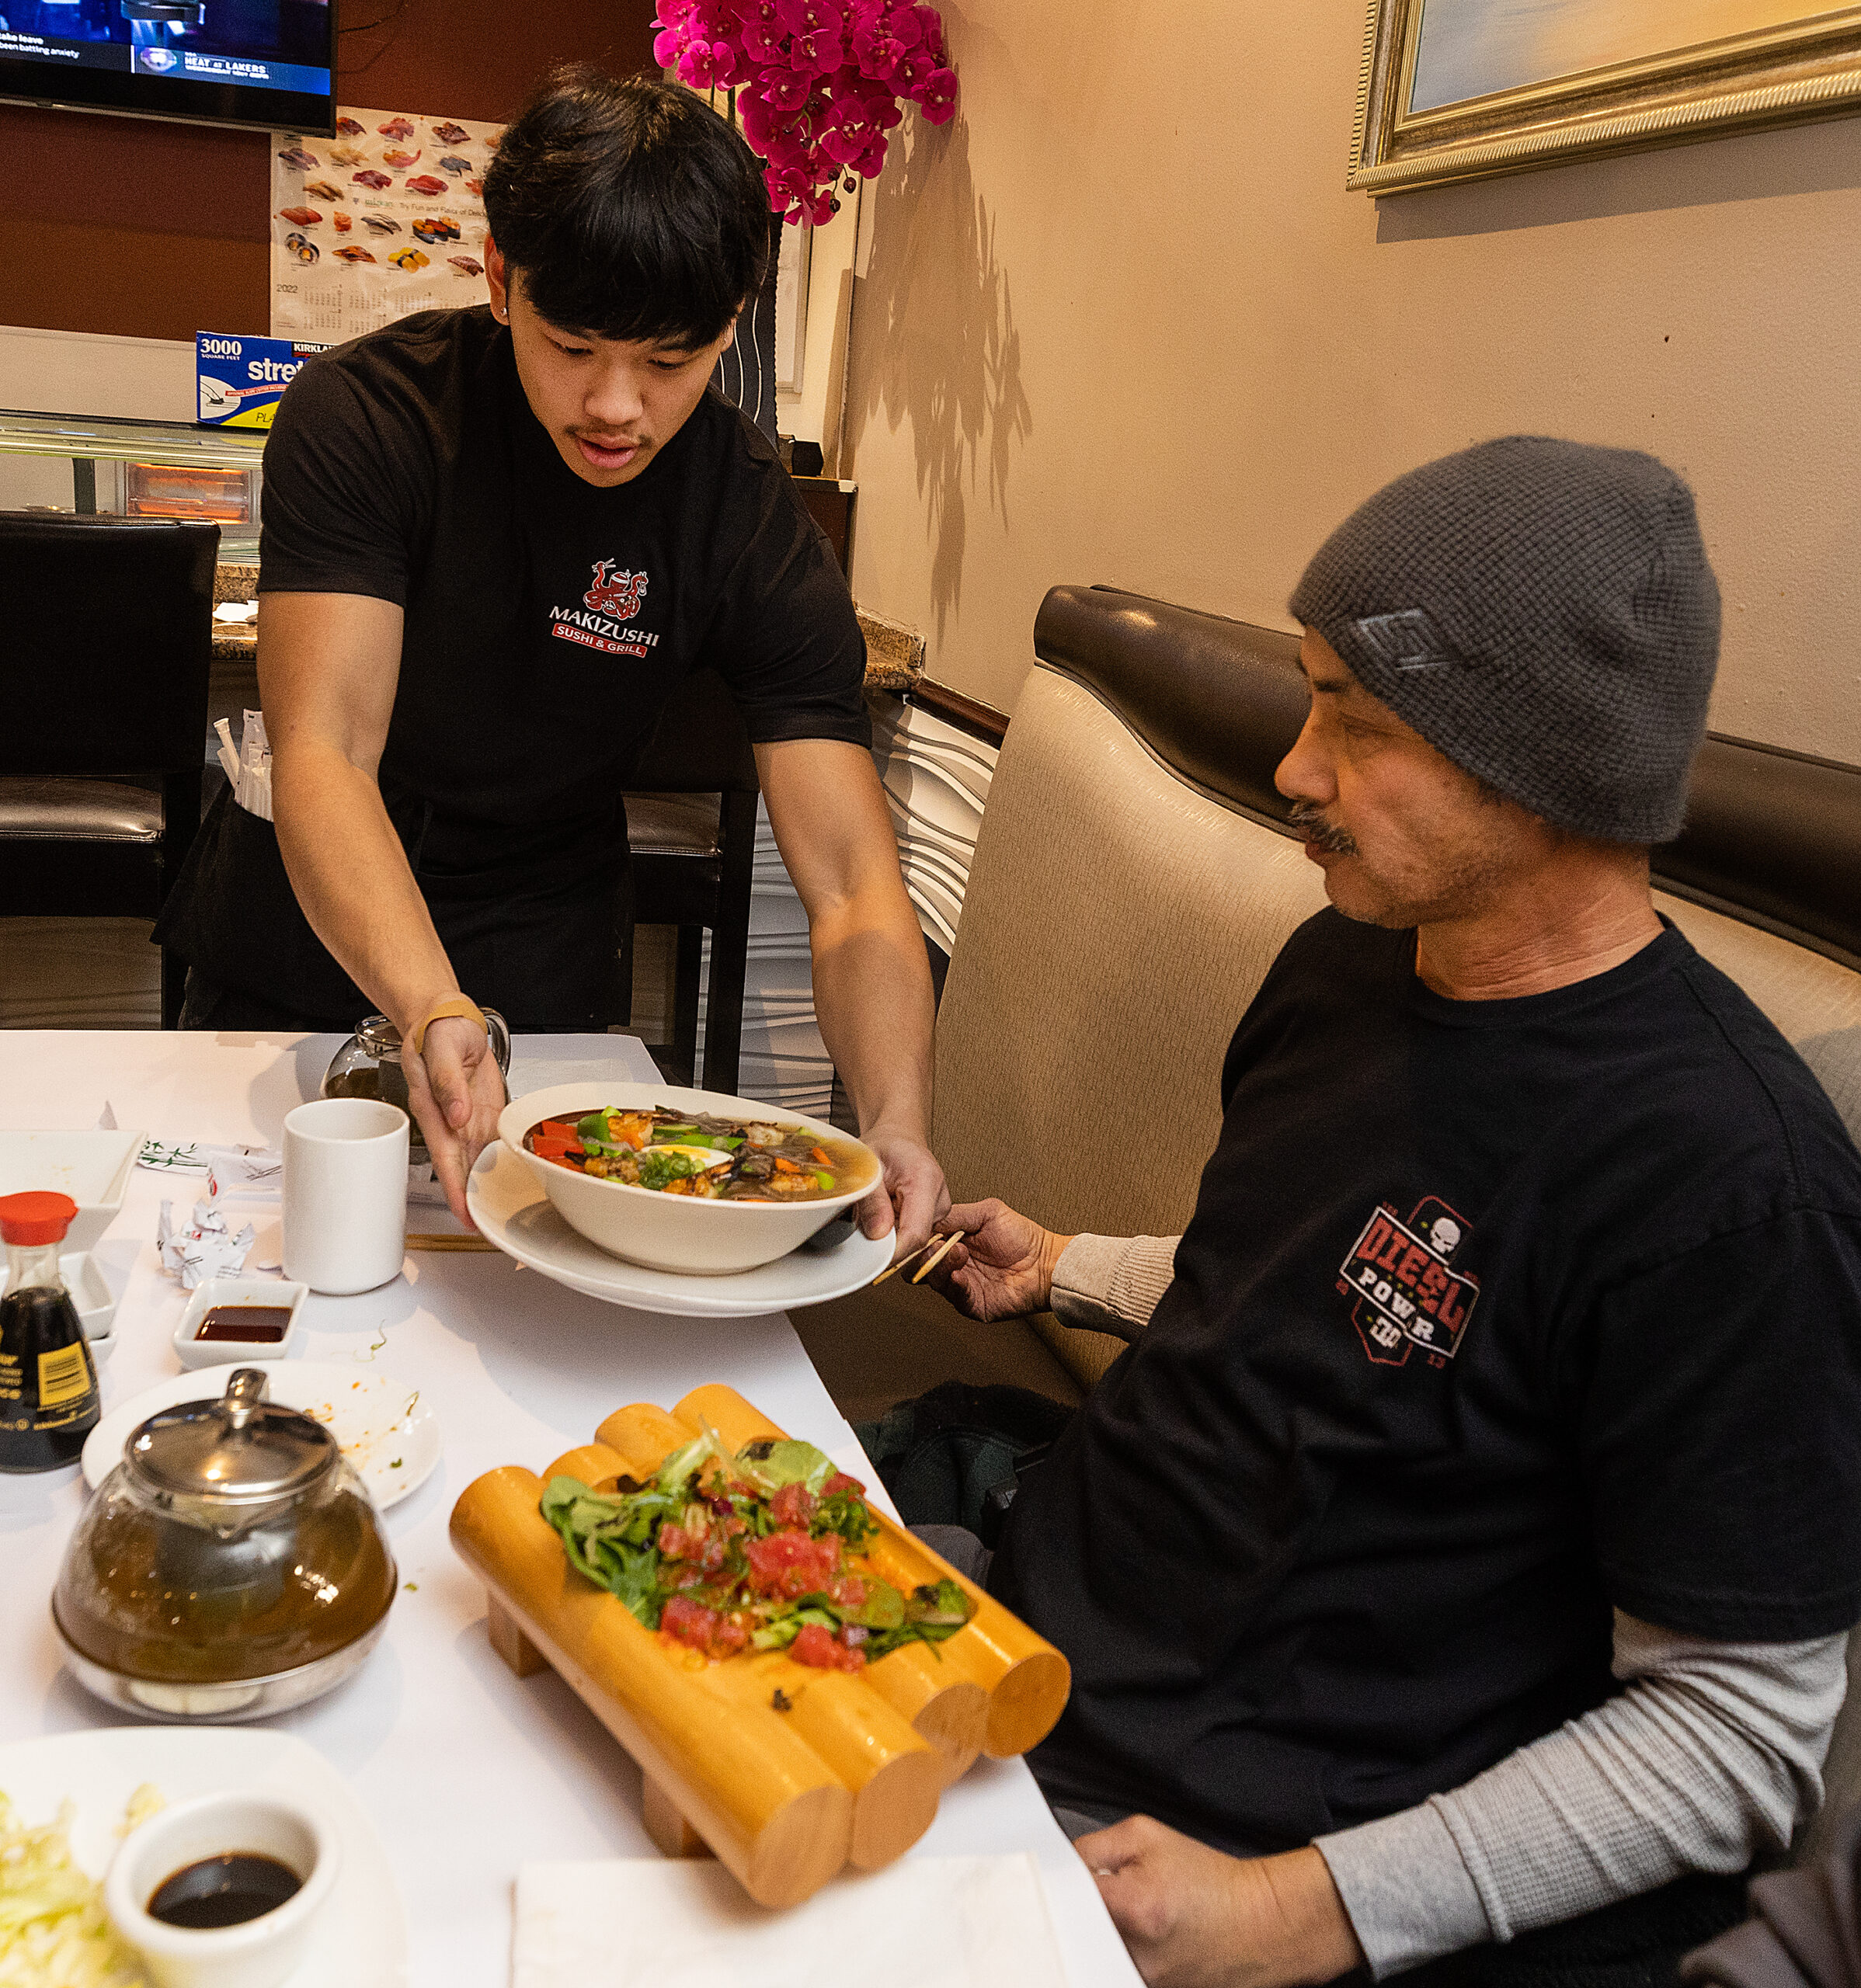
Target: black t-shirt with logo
1492,1316
547,621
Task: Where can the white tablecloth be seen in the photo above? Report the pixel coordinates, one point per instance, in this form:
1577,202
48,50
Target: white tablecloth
466,1771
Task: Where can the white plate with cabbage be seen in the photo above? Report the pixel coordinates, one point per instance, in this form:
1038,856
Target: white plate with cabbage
66,1803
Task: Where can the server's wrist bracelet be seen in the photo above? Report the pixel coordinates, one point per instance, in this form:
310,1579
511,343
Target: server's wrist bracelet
456,1005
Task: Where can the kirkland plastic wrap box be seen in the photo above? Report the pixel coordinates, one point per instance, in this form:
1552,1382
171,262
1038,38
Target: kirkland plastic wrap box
242,380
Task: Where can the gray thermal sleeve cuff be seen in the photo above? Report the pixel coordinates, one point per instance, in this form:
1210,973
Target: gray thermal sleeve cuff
1712,1755
1409,1895
1112,1283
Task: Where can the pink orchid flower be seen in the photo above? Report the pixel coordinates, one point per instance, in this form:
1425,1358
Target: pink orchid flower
705,64
819,54
930,30
914,71
812,16
787,90
819,83
878,50
937,96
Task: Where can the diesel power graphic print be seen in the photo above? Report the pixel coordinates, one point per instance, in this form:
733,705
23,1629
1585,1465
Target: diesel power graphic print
1484,1309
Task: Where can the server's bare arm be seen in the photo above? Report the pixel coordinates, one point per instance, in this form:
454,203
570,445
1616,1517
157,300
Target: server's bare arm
871,980
328,667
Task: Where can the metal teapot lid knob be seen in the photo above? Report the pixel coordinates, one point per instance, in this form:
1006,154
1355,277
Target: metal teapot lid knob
379,1037
241,1446
245,1392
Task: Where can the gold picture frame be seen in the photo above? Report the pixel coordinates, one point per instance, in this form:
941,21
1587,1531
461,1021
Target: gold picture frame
1784,63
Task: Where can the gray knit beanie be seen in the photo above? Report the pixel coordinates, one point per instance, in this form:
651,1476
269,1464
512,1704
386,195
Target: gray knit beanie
1541,612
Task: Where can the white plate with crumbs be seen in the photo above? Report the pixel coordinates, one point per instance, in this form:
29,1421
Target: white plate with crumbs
381,1424
360,1942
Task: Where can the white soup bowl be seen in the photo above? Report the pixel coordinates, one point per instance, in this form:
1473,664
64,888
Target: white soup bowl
678,1232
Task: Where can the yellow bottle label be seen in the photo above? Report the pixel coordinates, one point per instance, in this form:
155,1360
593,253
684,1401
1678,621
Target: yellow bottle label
64,1375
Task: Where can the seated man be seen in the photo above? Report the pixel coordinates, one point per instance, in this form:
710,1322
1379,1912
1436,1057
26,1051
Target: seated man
1466,1543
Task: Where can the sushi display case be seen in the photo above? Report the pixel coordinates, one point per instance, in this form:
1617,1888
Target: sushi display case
136,469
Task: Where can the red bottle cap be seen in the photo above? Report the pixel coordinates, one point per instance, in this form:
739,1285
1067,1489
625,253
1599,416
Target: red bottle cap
37,1216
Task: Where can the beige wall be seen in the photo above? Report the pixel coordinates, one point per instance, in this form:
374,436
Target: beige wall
1119,321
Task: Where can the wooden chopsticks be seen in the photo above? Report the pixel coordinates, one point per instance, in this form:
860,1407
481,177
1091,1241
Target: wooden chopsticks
944,1244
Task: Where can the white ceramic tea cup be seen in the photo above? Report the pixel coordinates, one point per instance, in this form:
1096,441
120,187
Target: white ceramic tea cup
262,1953
344,1194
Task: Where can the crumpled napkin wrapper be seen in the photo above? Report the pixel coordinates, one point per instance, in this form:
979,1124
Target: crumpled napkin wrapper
206,1247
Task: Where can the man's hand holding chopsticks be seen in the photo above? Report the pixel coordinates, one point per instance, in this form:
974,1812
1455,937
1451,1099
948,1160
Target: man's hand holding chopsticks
1003,1267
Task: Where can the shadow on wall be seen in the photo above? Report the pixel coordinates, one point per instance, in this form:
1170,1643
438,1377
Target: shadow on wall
933,319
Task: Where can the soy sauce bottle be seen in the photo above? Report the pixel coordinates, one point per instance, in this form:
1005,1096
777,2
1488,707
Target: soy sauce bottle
48,1381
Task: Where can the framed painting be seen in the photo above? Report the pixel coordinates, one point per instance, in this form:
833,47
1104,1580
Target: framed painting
1465,89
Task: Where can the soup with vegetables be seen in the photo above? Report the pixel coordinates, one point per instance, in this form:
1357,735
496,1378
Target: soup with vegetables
714,1159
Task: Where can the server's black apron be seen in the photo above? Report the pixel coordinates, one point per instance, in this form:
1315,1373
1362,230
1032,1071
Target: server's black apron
533,929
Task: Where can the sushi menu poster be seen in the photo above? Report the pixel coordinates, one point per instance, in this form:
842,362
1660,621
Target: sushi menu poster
385,218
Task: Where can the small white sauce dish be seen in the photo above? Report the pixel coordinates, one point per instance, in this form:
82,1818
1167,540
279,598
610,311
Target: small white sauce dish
259,1954
193,1353
90,1293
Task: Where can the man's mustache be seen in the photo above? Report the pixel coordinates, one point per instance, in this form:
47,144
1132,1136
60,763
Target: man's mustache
1308,819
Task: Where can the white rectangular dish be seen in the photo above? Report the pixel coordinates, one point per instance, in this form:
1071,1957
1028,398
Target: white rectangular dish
93,1168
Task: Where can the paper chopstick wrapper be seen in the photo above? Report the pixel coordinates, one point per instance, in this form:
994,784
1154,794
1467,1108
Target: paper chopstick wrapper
248,770
257,1173
253,1172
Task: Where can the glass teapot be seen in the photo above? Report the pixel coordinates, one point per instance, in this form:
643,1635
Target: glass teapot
368,1065
230,1565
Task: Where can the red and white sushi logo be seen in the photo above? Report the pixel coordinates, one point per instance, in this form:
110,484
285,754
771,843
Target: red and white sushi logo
616,594
1406,1294
600,622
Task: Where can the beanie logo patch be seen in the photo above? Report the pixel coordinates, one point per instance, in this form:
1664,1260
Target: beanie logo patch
1405,640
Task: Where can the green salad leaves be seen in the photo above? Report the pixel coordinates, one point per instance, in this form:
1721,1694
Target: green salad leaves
751,1551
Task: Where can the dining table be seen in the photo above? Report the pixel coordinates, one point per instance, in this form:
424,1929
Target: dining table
466,1770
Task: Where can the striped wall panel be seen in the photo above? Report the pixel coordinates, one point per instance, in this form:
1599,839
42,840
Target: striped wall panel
936,780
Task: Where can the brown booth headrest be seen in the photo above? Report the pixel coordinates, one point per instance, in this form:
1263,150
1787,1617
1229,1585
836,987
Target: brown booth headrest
1772,838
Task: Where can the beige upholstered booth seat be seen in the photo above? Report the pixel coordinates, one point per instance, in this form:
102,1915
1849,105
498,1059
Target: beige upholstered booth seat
1119,917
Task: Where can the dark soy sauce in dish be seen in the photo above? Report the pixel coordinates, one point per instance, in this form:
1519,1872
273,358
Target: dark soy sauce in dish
256,1325
228,1890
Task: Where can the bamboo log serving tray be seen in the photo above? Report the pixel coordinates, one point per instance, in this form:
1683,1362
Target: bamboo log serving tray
786,1773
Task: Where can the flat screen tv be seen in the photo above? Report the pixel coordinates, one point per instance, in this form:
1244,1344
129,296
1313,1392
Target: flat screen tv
262,63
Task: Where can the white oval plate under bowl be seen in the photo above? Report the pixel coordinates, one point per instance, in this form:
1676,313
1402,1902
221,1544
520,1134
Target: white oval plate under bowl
361,1938
381,1424
512,1210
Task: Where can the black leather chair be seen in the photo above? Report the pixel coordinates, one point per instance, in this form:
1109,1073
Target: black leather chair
106,634
691,827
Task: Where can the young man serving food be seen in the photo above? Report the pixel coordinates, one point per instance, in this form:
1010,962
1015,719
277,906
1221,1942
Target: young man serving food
1464,1549
495,541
